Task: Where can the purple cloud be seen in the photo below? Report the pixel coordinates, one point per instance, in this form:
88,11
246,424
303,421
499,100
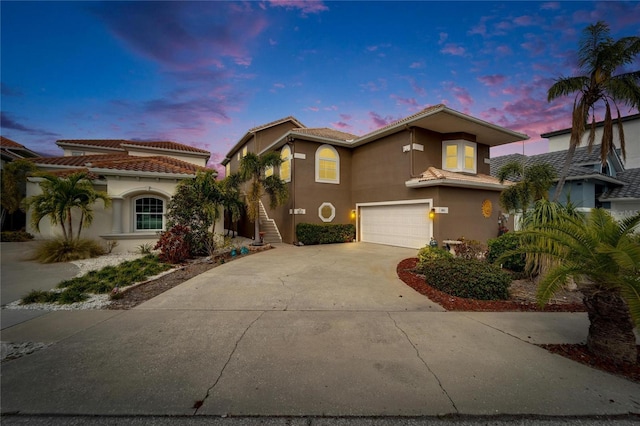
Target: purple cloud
375,86
305,6
379,121
411,102
417,65
7,122
453,49
492,80
553,5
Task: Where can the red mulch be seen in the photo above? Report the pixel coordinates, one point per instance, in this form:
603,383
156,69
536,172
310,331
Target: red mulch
406,273
581,354
574,352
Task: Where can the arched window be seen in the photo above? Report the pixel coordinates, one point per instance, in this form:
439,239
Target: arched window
327,165
285,167
149,214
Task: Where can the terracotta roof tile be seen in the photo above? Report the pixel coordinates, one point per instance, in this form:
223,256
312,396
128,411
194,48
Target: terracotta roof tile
8,143
326,132
156,164
120,144
433,173
67,172
76,160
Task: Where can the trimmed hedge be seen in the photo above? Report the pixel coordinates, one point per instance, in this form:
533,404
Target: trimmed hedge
310,234
428,253
468,278
504,244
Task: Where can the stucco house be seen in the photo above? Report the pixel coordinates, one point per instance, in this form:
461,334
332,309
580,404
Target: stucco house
139,178
386,182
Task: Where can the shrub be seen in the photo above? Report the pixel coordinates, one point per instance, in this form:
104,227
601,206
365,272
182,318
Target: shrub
309,234
37,296
15,236
61,250
468,278
174,245
504,244
470,249
428,253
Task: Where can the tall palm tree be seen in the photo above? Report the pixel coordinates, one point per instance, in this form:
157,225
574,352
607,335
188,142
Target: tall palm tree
232,198
532,184
601,256
252,170
14,178
599,57
60,197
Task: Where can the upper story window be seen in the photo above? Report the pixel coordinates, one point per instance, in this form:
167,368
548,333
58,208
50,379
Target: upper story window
459,156
149,214
227,169
268,171
244,151
285,166
327,165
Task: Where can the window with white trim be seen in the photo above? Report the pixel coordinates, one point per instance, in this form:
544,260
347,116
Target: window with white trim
459,156
149,214
285,166
327,165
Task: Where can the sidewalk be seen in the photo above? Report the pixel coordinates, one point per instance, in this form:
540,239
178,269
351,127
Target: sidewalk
303,358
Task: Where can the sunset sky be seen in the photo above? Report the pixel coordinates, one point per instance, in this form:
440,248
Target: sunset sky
203,73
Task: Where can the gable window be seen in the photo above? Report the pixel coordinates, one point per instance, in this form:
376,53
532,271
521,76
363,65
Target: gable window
268,171
149,214
459,156
285,166
327,165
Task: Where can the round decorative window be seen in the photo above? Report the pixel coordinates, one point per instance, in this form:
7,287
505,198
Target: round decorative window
487,208
327,212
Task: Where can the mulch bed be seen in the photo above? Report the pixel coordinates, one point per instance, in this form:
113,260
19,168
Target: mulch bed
575,352
406,273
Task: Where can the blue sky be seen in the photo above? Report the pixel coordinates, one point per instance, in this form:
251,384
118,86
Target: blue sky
203,73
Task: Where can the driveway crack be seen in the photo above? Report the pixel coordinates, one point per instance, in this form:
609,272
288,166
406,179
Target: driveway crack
424,362
200,403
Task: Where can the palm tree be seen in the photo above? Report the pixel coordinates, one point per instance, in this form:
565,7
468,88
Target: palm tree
599,56
232,199
62,195
14,178
252,170
532,184
603,258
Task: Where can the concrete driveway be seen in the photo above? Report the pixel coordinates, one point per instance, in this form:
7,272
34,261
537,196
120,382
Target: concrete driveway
342,277
304,331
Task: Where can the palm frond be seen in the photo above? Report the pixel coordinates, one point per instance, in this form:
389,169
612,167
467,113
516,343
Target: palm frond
630,291
565,86
553,281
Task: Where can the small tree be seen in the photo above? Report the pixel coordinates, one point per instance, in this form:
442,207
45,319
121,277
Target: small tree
14,179
252,169
532,184
196,205
601,256
63,195
232,199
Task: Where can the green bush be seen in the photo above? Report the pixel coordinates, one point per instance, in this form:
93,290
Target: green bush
504,244
468,278
428,253
61,250
309,234
15,236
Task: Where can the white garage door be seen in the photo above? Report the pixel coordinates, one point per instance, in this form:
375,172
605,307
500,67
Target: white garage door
403,225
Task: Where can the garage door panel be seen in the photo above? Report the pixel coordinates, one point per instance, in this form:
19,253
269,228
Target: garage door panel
405,225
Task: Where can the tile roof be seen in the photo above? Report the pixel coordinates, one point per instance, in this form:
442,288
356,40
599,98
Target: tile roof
120,144
582,157
630,189
409,118
433,174
275,123
8,143
326,132
124,162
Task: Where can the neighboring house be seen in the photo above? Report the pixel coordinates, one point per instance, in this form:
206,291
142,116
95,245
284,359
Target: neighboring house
11,151
139,177
559,140
386,182
589,184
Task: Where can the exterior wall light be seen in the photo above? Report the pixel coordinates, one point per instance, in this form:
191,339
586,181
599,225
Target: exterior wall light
353,214
432,214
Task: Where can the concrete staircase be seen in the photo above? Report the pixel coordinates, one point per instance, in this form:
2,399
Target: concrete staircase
268,226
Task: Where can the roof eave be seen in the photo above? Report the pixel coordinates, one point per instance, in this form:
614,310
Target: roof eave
304,136
101,148
455,183
135,173
202,154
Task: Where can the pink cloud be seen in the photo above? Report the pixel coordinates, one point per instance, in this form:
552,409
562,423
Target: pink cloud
443,38
461,94
411,102
375,86
417,65
553,5
378,121
504,50
305,6
453,49
492,80
341,125
313,109
524,21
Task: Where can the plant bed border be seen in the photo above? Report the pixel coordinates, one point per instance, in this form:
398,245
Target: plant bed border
405,271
